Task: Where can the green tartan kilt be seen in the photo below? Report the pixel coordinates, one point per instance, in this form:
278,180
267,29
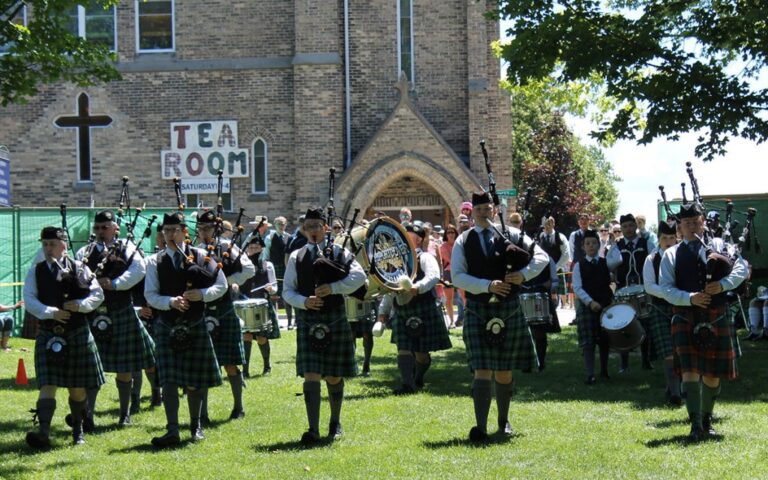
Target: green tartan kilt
659,330
362,327
130,349
719,361
228,342
434,335
275,332
196,366
338,360
588,327
80,369
279,275
518,350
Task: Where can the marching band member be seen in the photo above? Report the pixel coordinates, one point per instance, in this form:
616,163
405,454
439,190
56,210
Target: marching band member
60,292
123,342
701,326
660,324
325,347
178,282
496,335
592,286
275,248
418,327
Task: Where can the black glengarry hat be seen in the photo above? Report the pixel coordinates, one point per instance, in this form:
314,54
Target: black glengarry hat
104,216
314,213
175,218
481,198
590,233
206,216
627,218
690,210
53,233
667,229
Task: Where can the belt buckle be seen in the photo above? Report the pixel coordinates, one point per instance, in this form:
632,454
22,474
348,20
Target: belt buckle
101,309
58,329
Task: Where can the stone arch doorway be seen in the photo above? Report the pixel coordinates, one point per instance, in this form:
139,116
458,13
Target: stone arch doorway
426,203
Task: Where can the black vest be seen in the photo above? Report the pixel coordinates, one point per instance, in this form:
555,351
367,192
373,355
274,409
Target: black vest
173,283
112,298
552,248
277,250
305,274
639,254
578,243
492,267
54,293
261,278
691,273
596,280
656,261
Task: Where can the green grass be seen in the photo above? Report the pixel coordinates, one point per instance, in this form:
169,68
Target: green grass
565,429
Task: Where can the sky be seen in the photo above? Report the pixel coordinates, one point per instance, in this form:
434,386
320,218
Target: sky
643,168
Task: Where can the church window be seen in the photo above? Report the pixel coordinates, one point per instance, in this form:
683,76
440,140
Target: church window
155,26
94,23
405,38
259,166
19,18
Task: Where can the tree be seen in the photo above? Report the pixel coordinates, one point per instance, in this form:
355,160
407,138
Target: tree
46,51
671,66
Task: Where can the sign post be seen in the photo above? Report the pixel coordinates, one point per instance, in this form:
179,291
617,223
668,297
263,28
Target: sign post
5,177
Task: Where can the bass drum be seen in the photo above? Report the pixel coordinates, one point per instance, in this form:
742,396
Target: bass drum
385,252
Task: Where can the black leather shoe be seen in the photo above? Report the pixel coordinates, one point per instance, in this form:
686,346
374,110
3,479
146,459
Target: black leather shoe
310,437
696,434
197,431
404,390
236,414
675,400
124,421
135,404
477,436
335,431
267,370
38,440
590,380
167,440
78,438
706,423
505,428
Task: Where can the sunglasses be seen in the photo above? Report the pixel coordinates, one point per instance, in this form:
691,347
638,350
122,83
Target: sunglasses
337,227
101,227
603,230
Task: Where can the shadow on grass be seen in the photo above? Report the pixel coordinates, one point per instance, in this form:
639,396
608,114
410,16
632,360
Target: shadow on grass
14,471
323,442
493,439
681,440
149,448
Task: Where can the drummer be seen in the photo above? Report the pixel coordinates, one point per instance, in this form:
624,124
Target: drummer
262,285
592,286
627,258
660,321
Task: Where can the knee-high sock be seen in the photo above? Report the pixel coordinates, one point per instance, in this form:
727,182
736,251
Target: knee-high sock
765,318
421,370
336,398
540,339
589,360
708,397
124,394
236,383
248,347
78,413
624,360
195,402
45,409
312,404
693,401
367,350
171,405
503,396
481,395
755,318
673,380
91,394
406,365
138,381
265,351
645,350
203,404
152,379
289,312
604,347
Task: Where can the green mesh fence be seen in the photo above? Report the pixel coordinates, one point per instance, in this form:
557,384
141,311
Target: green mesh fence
19,244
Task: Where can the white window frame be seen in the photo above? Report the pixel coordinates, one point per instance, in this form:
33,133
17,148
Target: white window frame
24,19
81,25
201,197
266,166
412,78
173,30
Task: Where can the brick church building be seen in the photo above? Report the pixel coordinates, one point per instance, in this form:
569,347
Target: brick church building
395,94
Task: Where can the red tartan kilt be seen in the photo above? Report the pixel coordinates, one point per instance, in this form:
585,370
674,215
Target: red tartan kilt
718,361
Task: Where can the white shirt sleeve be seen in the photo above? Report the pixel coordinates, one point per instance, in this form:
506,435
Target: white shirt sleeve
152,286
649,278
428,264
291,283
538,262
565,254
354,280
671,293
572,244
613,258
385,307
271,277
248,271
578,289
96,296
135,273
31,302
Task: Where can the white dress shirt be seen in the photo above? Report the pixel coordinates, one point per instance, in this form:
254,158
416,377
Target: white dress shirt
652,287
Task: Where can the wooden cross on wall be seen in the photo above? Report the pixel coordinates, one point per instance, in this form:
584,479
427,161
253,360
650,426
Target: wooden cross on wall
83,121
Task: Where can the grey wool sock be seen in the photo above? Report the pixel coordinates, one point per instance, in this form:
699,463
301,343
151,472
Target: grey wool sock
195,401
312,404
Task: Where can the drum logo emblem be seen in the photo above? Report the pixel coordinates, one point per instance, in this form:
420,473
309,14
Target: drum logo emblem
391,254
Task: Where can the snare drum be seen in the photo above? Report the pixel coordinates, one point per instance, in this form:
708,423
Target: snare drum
357,310
254,312
621,323
535,308
634,295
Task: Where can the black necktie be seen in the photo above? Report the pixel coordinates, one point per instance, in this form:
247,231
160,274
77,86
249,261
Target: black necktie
694,246
487,243
177,260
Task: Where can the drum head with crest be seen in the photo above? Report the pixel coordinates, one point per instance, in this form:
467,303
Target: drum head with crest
390,252
617,316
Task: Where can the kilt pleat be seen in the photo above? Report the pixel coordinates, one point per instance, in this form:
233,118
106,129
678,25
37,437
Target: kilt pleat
130,348
82,366
434,334
338,359
228,343
588,326
659,330
517,351
719,361
196,366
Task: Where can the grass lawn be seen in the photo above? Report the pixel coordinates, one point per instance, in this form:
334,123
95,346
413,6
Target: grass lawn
565,429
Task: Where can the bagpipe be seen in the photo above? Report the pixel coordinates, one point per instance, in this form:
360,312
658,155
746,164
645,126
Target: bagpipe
515,257
75,281
227,261
330,268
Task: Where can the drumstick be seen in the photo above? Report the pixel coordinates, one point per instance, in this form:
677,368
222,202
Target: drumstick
261,287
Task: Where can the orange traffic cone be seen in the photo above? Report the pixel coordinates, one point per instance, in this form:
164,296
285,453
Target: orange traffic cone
21,374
